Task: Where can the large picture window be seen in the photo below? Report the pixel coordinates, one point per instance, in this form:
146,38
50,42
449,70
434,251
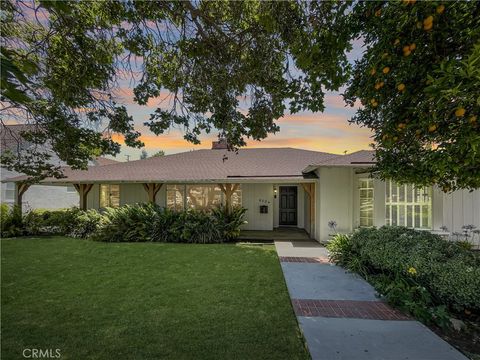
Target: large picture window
109,195
200,197
365,189
408,205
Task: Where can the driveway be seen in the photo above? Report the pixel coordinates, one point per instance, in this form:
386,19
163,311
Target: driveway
341,316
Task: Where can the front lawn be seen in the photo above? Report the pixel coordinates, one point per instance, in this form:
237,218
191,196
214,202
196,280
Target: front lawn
145,301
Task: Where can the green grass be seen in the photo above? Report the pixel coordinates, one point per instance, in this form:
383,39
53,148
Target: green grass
145,301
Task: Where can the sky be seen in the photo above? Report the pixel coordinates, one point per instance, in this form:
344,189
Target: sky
328,131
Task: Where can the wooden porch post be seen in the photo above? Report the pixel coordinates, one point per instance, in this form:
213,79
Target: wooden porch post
83,190
152,190
228,190
310,190
20,189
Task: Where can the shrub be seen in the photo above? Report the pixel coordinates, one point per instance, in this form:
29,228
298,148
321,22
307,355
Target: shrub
167,226
146,222
229,222
128,223
85,224
11,222
450,273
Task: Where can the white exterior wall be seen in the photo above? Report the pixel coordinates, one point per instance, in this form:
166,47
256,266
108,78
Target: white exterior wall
40,196
254,195
334,201
461,208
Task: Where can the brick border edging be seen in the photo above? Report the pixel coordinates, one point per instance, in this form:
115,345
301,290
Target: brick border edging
372,310
304,259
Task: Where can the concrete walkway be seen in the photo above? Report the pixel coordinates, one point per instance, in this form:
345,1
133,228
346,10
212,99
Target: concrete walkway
341,317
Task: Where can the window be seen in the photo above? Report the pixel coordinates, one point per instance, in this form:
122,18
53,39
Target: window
201,197
175,197
71,189
10,192
408,205
109,195
365,189
204,197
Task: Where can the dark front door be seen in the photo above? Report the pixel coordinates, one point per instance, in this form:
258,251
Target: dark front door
288,205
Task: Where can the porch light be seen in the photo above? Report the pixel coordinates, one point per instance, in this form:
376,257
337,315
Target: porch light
275,192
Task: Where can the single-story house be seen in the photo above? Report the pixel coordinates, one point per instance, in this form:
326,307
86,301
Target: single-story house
279,187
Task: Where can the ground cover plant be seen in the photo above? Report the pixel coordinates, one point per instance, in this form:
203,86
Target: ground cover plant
424,275
95,300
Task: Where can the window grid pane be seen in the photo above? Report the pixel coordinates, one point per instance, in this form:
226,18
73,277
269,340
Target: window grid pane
109,195
407,205
365,190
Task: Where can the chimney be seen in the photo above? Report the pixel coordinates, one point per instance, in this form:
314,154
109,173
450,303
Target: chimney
221,144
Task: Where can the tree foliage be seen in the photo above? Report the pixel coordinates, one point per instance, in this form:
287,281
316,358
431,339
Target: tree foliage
237,66
419,83
231,66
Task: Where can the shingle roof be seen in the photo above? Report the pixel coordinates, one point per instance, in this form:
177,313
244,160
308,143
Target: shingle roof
362,158
206,165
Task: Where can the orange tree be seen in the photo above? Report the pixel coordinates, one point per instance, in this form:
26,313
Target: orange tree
419,83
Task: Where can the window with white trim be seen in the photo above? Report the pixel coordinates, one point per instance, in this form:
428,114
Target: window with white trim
408,205
9,192
365,190
109,195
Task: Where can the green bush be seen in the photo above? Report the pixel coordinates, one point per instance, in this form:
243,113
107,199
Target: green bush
146,222
229,222
449,272
71,222
11,222
128,223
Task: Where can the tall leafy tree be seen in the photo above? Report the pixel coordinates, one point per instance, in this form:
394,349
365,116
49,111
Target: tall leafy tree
419,83
232,66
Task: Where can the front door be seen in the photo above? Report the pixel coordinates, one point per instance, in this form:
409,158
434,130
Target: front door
288,205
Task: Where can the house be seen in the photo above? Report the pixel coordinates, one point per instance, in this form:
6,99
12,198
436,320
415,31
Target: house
278,187
37,196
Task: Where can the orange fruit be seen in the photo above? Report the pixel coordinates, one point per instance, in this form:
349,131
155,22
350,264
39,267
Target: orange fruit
432,128
401,87
428,20
459,112
472,119
386,70
401,126
413,46
373,71
440,9
406,48
406,53
378,12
